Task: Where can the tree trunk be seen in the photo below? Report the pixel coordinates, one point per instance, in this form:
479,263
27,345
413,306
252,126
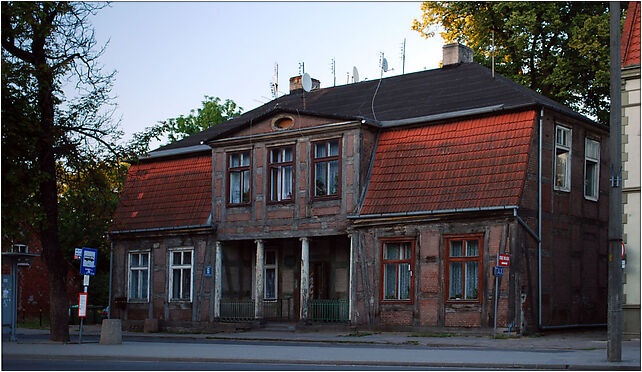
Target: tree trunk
48,196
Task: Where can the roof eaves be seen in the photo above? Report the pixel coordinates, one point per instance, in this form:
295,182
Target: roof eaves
177,151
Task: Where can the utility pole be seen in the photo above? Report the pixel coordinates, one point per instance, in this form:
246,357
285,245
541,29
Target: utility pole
614,316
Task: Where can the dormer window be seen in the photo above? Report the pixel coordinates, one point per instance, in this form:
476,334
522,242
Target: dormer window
282,123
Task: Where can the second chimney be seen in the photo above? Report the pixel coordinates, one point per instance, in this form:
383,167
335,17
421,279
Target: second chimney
456,53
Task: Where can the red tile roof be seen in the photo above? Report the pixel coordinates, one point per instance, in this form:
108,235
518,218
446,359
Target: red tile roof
478,162
166,193
631,35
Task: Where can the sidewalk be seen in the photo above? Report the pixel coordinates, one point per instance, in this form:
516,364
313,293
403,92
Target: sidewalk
569,350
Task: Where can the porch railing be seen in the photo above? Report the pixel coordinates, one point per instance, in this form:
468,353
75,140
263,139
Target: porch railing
243,310
237,310
330,311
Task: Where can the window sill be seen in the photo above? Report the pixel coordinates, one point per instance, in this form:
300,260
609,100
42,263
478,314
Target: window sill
238,205
323,198
396,302
590,199
561,190
135,301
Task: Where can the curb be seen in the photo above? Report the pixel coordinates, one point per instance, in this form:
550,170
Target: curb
532,366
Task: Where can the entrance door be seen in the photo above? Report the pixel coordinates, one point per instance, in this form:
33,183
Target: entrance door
319,280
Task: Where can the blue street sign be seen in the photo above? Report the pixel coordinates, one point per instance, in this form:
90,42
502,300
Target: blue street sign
88,261
498,271
208,270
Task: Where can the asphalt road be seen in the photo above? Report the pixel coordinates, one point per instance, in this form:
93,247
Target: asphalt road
111,365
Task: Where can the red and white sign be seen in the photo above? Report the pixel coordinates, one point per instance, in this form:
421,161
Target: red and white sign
504,260
82,305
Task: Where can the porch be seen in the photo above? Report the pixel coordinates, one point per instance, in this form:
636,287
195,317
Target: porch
275,271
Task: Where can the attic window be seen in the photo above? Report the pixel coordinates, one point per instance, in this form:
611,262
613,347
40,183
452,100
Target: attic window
282,123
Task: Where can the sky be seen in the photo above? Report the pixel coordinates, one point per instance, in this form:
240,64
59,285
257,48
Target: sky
169,55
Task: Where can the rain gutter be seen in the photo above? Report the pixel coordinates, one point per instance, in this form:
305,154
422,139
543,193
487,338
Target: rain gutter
433,212
156,229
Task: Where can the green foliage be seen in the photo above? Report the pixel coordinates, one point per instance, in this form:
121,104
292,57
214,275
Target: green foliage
558,49
57,149
87,200
213,112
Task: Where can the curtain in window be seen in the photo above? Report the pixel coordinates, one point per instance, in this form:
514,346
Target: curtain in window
456,285
390,282
404,281
270,283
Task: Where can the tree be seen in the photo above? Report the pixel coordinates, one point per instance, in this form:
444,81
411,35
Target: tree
558,49
48,47
213,112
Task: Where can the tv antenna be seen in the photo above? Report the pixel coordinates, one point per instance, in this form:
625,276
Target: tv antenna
274,85
383,64
301,68
492,38
333,71
403,56
355,74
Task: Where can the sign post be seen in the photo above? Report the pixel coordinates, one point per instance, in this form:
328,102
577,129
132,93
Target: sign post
88,260
503,260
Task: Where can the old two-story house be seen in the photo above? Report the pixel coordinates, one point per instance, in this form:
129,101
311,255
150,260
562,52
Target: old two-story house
380,204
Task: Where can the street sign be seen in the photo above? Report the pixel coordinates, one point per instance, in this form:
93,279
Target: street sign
88,261
208,270
498,270
504,260
77,253
82,305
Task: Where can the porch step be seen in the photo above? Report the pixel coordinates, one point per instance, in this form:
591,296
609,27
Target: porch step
279,327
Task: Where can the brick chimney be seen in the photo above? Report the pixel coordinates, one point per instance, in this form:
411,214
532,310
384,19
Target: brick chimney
297,84
456,53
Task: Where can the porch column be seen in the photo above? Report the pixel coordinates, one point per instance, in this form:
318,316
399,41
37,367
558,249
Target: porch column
258,284
352,290
217,281
305,278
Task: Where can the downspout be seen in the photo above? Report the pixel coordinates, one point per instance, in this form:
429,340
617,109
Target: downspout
539,220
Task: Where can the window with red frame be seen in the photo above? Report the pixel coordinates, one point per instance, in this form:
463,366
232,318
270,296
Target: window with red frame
463,263
239,177
281,173
326,164
397,266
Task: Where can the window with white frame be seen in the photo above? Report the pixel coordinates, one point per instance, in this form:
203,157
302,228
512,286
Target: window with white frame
281,173
271,268
463,260
326,167
239,178
591,169
397,266
181,272
138,276
562,158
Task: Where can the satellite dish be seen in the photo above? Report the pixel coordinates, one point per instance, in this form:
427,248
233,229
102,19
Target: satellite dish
384,65
306,81
355,74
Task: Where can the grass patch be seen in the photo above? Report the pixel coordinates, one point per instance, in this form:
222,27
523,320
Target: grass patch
441,335
34,324
504,337
359,334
